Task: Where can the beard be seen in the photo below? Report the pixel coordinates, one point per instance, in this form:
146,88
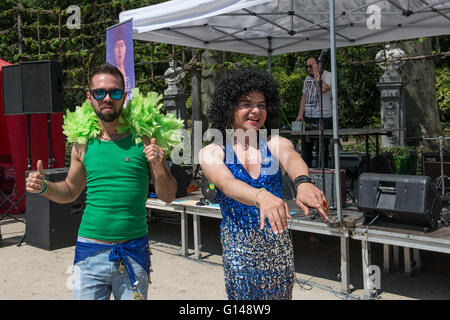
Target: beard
108,117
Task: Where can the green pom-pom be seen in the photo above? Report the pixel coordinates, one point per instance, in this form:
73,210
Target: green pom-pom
81,125
142,117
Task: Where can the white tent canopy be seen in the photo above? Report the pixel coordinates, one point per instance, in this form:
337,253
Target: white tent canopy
272,27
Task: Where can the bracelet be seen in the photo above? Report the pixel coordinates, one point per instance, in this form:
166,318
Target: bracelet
302,179
44,192
258,192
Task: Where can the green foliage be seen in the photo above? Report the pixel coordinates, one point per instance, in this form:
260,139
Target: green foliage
358,96
443,92
291,93
405,158
46,36
359,146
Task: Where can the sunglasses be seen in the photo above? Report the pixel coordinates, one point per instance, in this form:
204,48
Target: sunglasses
100,94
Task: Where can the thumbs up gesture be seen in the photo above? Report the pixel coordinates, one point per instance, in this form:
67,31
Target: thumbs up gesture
35,181
153,152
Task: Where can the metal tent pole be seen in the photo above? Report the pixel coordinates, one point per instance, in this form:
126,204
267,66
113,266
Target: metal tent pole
345,242
269,51
335,113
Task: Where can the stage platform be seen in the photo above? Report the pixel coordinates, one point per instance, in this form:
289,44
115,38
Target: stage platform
388,234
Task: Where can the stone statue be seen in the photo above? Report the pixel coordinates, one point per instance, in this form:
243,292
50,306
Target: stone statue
174,96
173,76
391,53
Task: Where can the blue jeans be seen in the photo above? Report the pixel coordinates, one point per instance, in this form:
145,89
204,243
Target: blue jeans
95,278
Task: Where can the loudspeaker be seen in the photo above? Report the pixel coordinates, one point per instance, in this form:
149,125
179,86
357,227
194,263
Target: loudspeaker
209,190
12,90
350,161
330,185
182,177
33,87
382,163
405,199
431,165
51,225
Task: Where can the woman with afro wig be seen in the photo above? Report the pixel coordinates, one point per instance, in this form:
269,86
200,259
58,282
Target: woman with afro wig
247,171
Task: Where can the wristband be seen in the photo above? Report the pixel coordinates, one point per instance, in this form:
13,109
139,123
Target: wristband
44,192
258,192
302,179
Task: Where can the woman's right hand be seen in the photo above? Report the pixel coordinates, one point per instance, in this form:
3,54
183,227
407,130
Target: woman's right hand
274,209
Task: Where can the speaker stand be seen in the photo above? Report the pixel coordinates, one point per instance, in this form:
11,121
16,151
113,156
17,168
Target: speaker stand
440,181
49,126
29,167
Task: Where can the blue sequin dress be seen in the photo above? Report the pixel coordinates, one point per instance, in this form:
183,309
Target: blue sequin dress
258,264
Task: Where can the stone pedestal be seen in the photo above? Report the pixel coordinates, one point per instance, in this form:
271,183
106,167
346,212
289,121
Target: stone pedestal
174,97
175,102
391,96
392,108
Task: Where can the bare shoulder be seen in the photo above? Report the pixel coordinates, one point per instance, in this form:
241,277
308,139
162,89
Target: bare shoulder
277,142
212,147
78,151
212,150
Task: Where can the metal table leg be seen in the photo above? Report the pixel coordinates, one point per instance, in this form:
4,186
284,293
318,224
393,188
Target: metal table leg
366,263
386,262
417,262
197,237
345,264
407,256
396,256
184,233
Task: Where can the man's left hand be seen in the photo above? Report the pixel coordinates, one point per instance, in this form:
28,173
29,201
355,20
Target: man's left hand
154,153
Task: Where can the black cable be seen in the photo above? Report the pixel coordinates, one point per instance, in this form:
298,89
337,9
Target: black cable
364,257
311,284
301,282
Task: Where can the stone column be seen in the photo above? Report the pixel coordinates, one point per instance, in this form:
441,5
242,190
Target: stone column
391,98
174,96
175,102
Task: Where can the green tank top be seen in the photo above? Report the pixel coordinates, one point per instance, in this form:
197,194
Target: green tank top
117,176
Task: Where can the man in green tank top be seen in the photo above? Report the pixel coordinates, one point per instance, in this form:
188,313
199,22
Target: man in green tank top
112,252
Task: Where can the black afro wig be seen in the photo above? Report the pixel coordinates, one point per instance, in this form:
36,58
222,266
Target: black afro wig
236,84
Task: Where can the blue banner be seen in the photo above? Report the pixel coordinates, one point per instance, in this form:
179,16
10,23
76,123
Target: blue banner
119,52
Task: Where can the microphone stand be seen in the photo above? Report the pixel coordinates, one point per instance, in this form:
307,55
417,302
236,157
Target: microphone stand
321,129
29,162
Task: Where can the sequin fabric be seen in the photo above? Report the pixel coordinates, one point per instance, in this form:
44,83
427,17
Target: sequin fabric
258,264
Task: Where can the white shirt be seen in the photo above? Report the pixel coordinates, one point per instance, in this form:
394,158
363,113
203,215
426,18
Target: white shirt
312,102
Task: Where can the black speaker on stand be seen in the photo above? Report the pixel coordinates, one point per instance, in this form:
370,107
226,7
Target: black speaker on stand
31,88
407,199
